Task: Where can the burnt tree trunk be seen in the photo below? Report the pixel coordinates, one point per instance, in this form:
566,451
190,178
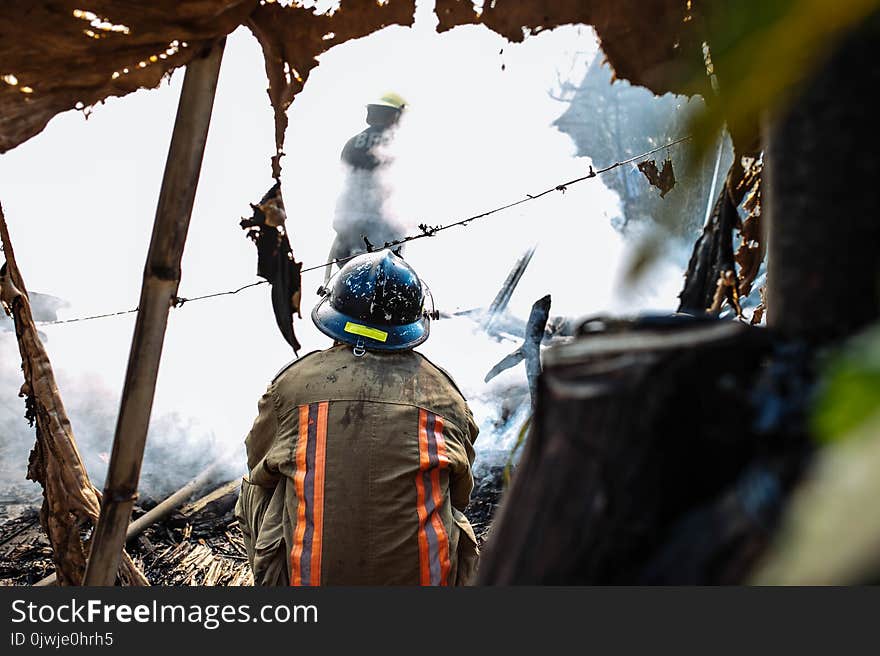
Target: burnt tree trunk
643,465
666,456
823,171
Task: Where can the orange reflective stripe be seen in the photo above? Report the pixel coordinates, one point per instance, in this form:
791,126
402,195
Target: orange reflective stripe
299,485
433,539
318,510
424,560
308,479
442,536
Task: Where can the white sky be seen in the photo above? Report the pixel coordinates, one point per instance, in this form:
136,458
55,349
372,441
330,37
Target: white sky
80,199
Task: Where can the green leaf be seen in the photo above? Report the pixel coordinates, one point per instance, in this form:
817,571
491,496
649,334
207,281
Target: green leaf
762,50
850,393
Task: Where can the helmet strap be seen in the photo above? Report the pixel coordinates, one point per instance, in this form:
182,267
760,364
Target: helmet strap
359,348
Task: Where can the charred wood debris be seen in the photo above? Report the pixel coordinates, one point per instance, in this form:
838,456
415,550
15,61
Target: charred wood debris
196,544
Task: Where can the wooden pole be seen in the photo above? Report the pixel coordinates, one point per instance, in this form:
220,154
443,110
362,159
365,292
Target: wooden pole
161,280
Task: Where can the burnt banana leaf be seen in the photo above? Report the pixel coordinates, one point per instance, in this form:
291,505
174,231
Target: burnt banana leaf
275,261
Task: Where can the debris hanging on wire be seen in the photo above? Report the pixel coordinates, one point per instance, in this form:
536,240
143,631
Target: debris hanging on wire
663,179
275,261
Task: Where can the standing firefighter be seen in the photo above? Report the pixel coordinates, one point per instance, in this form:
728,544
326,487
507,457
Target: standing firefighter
360,210
360,459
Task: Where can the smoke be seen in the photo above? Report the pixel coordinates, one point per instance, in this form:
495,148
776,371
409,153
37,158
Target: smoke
362,212
477,133
180,445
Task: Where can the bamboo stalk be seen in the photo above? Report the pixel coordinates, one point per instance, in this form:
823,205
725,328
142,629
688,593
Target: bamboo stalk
161,280
165,508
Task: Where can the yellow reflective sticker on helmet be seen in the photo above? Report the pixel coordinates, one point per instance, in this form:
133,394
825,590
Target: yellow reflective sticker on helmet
366,331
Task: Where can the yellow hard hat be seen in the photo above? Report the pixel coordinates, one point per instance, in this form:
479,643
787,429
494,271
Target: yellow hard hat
392,100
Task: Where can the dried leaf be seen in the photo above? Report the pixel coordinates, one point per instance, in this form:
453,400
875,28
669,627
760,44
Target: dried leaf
752,248
138,44
47,49
275,261
652,43
758,314
663,179
727,289
70,501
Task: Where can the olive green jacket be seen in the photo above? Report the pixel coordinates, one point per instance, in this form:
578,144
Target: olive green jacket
359,470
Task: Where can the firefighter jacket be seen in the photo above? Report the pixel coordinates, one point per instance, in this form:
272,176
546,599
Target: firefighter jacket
360,152
359,470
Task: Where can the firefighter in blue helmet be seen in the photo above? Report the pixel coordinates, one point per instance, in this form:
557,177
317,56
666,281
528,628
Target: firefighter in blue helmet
376,302
360,458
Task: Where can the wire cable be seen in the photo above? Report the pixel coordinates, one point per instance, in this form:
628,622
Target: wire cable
425,231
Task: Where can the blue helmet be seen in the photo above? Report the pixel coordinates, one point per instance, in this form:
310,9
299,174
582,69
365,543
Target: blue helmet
376,302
